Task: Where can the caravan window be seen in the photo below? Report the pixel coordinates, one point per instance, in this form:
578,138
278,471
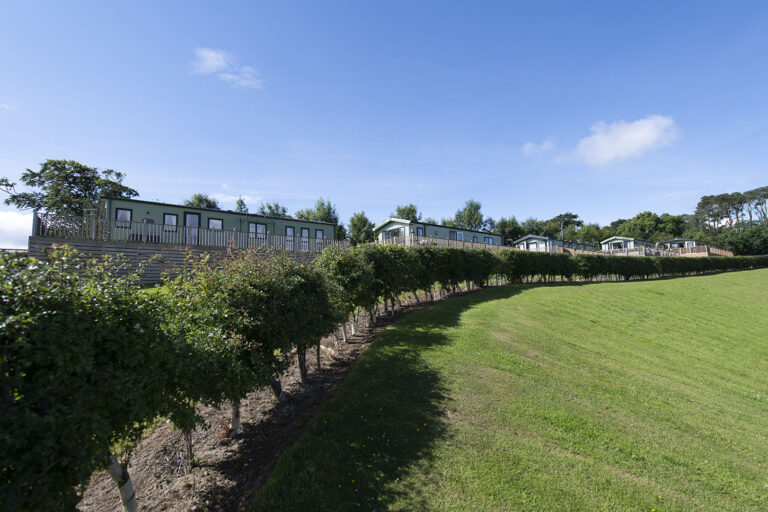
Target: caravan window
123,217
170,221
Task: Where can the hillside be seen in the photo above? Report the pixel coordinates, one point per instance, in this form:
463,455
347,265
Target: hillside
614,396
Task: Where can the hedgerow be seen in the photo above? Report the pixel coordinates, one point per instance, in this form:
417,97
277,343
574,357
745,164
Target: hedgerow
89,359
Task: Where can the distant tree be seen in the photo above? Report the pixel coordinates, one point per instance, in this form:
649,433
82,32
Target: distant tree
341,232
567,219
670,226
448,222
430,220
757,200
240,206
65,186
200,200
642,226
272,210
324,211
470,217
591,234
408,212
360,229
509,229
531,226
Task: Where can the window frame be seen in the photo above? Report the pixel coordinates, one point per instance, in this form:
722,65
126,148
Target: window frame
215,219
322,234
175,225
118,221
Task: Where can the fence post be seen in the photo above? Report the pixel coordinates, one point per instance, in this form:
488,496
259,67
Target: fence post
35,223
93,227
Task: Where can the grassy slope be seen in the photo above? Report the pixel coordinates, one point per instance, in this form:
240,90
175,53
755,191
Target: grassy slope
614,396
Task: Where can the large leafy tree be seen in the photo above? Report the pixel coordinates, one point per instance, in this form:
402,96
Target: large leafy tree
66,187
360,229
408,212
272,209
202,201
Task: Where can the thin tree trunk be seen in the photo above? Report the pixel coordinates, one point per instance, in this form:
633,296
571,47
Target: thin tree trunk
277,389
234,421
188,442
344,332
302,355
355,316
317,353
119,473
416,296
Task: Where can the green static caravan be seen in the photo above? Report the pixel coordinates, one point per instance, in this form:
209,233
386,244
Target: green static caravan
623,243
683,243
548,244
135,220
394,228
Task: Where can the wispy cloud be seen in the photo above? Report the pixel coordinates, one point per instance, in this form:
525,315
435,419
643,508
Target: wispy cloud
621,140
231,199
531,148
227,67
8,105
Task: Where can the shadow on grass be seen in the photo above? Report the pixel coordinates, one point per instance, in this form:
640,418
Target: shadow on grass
386,417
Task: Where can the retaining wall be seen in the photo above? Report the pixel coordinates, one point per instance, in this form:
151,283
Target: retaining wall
169,257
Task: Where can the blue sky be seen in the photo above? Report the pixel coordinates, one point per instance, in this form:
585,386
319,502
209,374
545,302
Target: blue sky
605,109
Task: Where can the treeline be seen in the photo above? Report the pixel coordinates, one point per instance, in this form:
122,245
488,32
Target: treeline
90,360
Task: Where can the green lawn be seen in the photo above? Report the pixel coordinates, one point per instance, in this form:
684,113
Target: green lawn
610,396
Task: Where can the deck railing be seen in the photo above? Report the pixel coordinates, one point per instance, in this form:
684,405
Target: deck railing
428,241
702,250
107,230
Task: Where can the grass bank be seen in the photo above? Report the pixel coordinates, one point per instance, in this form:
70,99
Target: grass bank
608,396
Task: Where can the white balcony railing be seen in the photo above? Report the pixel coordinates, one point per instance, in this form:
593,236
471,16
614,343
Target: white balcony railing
106,230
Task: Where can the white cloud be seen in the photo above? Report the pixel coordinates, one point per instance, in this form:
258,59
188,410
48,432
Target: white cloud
531,148
227,67
8,105
15,228
232,199
621,140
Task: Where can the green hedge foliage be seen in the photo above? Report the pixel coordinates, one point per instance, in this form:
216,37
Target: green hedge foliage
89,358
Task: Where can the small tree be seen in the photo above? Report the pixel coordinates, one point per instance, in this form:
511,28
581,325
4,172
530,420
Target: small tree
85,367
349,280
272,209
408,212
240,206
360,229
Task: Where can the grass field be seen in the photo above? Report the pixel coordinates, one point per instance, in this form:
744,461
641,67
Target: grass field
612,396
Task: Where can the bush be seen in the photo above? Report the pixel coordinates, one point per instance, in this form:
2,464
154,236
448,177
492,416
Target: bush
83,369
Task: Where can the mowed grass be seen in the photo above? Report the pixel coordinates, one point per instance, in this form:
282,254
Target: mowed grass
611,396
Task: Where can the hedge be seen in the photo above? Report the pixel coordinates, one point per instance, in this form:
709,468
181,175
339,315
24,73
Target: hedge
89,359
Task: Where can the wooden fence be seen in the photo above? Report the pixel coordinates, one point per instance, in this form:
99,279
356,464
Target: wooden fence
428,241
